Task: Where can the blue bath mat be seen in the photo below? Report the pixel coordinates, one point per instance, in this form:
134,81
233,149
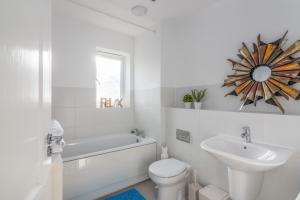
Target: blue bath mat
131,194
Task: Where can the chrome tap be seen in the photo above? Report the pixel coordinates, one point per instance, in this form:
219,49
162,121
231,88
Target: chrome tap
137,132
246,134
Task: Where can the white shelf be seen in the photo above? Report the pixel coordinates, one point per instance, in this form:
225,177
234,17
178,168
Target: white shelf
233,112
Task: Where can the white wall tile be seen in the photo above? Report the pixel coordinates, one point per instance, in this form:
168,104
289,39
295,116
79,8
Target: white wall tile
85,97
76,109
65,115
150,98
69,133
95,122
63,97
281,183
147,84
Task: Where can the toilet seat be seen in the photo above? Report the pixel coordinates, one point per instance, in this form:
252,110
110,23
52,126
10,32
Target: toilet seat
169,181
167,168
170,177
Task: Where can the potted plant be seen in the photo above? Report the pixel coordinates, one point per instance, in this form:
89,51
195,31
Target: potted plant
187,100
198,98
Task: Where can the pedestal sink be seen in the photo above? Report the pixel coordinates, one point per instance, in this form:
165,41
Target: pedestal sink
246,163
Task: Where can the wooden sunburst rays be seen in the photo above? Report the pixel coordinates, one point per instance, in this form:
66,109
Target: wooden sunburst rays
285,72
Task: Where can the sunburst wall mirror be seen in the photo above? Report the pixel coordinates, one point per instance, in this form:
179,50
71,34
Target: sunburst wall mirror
267,72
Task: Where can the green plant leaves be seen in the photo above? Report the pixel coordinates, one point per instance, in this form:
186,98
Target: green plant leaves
187,98
198,95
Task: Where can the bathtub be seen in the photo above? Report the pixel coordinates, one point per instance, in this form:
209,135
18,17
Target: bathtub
95,167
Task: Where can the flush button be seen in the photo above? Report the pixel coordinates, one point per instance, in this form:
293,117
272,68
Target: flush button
183,135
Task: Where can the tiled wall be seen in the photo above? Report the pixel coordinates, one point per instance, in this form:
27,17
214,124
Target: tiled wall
148,112
74,97
76,109
282,183
147,82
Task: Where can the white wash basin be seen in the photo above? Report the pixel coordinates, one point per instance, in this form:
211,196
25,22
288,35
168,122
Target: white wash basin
240,155
246,163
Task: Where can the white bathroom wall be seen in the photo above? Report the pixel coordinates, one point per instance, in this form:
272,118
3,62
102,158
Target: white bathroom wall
194,52
282,183
74,71
196,47
147,84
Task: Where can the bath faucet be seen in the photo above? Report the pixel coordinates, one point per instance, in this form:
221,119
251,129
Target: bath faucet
137,132
246,134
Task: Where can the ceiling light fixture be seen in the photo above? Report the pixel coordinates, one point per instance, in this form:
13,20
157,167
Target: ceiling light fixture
139,10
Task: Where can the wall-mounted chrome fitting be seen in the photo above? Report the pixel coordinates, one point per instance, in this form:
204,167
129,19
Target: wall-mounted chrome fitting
183,135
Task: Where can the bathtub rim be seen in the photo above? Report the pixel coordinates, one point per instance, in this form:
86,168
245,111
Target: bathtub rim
144,141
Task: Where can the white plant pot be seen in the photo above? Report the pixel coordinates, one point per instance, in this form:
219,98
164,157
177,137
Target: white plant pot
188,105
198,105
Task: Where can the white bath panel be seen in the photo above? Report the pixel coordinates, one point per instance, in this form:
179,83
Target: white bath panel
96,174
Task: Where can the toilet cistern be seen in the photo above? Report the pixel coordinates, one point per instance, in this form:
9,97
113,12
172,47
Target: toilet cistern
246,134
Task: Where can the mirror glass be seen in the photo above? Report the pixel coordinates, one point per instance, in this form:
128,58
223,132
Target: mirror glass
261,73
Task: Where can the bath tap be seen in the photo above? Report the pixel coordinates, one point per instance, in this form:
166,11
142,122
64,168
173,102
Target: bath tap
137,132
246,134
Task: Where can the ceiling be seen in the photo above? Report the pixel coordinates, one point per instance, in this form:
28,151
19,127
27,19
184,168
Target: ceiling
162,9
116,14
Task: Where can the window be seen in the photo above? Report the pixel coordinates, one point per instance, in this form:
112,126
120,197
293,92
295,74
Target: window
110,79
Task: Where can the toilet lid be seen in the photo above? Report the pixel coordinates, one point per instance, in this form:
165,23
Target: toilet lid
167,168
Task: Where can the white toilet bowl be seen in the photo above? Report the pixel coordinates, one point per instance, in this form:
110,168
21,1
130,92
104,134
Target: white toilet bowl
170,176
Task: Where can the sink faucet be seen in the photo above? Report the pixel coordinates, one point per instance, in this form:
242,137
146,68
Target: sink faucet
246,134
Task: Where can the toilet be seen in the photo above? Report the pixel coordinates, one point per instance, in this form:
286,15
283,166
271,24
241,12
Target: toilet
170,176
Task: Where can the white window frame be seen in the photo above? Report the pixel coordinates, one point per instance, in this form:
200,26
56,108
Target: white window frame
125,82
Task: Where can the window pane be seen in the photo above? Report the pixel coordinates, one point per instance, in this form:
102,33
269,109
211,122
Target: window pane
109,77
